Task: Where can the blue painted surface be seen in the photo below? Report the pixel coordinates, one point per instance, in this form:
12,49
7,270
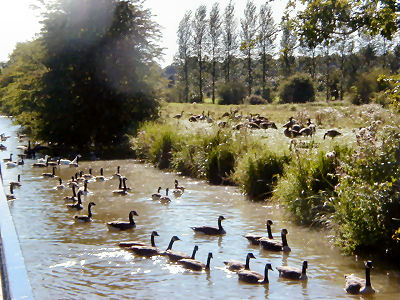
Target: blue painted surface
15,277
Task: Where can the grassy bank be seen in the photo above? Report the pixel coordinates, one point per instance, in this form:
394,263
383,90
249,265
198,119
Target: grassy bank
349,184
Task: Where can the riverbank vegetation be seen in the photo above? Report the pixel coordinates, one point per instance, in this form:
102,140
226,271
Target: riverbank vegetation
349,184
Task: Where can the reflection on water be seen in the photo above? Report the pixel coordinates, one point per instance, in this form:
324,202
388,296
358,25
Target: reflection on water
67,260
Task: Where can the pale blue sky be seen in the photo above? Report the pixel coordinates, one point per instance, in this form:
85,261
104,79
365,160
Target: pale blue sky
19,23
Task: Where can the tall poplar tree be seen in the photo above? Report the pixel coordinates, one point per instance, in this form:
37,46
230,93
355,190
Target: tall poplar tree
215,47
199,42
184,49
229,39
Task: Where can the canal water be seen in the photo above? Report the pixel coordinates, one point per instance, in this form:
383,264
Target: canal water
67,260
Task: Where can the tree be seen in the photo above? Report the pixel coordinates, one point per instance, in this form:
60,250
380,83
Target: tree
288,44
184,49
98,55
248,34
214,49
266,36
199,43
229,39
322,19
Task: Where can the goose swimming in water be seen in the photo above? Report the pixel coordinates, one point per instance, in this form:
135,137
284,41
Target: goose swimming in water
176,255
293,273
73,197
88,217
60,186
50,175
78,204
234,265
41,164
356,285
11,195
121,190
117,175
194,264
211,230
101,176
74,162
121,225
85,190
146,250
157,196
88,176
273,245
254,238
165,199
8,159
16,183
138,243
177,191
178,187
254,277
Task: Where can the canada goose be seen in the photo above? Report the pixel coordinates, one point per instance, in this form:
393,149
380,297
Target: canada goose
157,196
121,225
192,119
74,162
273,245
8,159
73,197
85,190
2,147
120,190
45,159
177,192
165,199
179,187
356,285
117,175
16,183
11,164
89,175
289,123
176,255
137,243
211,230
124,187
80,177
306,131
146,250
234,265
101,176
254,277
72,182
169,248
332,133
178,116
11,196
50,175
60,186
88,217
194,264
78,204
293,273
254,238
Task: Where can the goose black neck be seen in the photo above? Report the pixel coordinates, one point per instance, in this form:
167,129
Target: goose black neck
153,244
124,182
284,240
303,270
208,263
367,277
220,225
247,266
101,171
90,211
120,183
131,220
266,275
54,171
73,191
193,253
170,244
79,198
269,232
85,186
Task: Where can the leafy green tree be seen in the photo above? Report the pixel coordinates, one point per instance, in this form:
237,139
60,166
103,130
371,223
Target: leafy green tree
98,55
184,49
214,31
288,44
200,42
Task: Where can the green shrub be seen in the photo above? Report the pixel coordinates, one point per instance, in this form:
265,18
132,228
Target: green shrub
307,185
257,173
368,194
298,88
232,93
366,85
254,100
220,164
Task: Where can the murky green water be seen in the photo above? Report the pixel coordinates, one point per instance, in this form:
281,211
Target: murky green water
66,260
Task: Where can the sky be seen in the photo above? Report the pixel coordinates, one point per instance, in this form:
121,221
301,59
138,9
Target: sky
19,23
